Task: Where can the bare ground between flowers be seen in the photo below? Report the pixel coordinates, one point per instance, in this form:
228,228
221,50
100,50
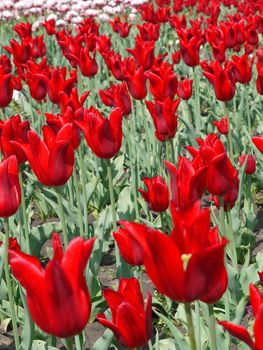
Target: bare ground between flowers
107,278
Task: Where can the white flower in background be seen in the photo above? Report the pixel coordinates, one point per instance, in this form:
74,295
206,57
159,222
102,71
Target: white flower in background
52,16
16,95
60,23
104,17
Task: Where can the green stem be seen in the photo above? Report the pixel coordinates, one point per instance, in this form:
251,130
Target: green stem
190,326
247,110
197,325
9,285
232,239
77,342
150,345
76,183
23,209
222,216
162,221
113,210
69,343
171,141
83,182
229,135
197,102
212,327
61,215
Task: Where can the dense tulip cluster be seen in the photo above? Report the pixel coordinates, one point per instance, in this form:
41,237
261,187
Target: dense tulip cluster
168,97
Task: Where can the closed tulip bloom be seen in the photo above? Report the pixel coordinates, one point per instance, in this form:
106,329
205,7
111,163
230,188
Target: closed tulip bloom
13,135
164,117
259,81
149,31
251,163
117,96
58,83
242,68
57,295
190,51
6,89
157,194
127,238
10,192
131,320
222,125
87,63
187,184
143,53
240,332
122,28
184,88
162,81
51,159
5,64
222,79
258,142
103,135
135,79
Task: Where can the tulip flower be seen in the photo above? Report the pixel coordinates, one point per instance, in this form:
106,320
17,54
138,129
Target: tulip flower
87,63
13,134
135,79
23,29
103,135
258,142
163,81
57,295
6,89
103,44
117,96
164,117
242,68
127,239
21,52
187,184
188,265
259,81
240,332
122,28
184,89
131,320
149,31
222,125
5,64
157,196
52,159
10,192
190,50
143,53
251,163
222,79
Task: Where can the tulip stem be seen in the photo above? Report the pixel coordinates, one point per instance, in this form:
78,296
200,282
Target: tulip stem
113,210
197,102
9,285
222,216
171,141
23,209
78,342
75,180
190,326
162,220
232,239
229,134
69,343
212,327
82,179
62,218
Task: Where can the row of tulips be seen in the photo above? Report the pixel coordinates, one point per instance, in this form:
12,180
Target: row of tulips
186,236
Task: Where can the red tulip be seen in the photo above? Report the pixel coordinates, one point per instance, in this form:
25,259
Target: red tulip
57,296
58,83
103,44
222,79
242,68
164,117
23,29
117,96
21,52
13,136
135,79
251,163
131,320
127,239
87,64
258,142
240,332
10,192
187,184
122,28
103,135
157,196
50,26
190,50
52,160
163,81
6,89
149,31
5,64
222,125
184,88
143,53
259,81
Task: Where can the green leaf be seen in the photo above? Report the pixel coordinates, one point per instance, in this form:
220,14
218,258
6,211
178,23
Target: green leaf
104,342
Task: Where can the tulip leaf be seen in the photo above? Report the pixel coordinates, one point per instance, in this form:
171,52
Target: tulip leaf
40,234
27,336
104,342
42,345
